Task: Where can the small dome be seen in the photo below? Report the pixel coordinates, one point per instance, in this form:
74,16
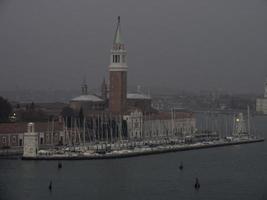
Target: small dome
137,96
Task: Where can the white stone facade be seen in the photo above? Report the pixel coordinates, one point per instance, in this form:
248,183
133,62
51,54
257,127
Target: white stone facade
261,103
169,127
261,106
143,127
134,124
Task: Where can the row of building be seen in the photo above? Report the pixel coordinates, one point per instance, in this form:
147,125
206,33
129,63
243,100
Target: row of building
12,134
101,128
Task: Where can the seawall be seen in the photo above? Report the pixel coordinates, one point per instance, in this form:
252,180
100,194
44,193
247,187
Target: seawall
150,151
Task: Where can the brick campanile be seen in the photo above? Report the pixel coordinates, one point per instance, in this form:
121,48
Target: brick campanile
118,74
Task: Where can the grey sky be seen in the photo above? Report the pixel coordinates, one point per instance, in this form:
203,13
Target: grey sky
183,44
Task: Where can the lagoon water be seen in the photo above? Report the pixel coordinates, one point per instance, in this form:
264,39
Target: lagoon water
225,173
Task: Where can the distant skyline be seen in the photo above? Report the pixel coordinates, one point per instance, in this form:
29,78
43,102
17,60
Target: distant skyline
182,45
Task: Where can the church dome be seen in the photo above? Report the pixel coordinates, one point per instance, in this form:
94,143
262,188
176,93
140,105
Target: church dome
88,97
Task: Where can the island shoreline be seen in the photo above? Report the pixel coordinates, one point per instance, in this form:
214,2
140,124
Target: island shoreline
151,151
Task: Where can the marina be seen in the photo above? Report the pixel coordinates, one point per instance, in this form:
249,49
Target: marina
137,151
103,138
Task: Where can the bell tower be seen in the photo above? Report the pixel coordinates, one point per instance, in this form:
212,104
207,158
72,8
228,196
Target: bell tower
118,73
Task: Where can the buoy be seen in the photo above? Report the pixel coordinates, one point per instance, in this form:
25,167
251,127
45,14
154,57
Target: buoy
181,167
59,165
50,186
197,184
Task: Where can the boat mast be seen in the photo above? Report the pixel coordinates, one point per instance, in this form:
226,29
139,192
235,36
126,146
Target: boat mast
172,115
52,132
248,121
84,131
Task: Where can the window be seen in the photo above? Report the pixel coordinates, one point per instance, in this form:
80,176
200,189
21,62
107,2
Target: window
20,142
14,139
4,140
116,58
61,140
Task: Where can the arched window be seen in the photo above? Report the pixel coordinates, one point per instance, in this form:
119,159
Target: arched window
42,141
116,58
123,58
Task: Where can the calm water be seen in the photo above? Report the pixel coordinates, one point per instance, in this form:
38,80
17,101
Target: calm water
236,172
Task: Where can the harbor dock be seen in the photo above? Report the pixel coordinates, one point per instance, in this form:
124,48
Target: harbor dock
139,151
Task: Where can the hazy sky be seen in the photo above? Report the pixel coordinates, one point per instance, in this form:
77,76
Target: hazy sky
183,44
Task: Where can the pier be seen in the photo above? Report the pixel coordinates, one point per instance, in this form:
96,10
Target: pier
139,151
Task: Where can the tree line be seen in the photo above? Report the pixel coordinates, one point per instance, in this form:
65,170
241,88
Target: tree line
5,110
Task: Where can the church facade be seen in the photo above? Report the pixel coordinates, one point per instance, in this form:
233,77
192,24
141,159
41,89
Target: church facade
139,118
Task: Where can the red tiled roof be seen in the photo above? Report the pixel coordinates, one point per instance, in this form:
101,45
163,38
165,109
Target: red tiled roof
21,127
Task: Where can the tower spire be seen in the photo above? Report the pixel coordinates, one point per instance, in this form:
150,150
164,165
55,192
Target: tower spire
118,41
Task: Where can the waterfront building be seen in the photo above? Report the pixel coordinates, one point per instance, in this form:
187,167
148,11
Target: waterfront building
170,124
261,103
49,134
11,135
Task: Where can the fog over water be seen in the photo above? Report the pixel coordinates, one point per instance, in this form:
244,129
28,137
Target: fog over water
184,44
